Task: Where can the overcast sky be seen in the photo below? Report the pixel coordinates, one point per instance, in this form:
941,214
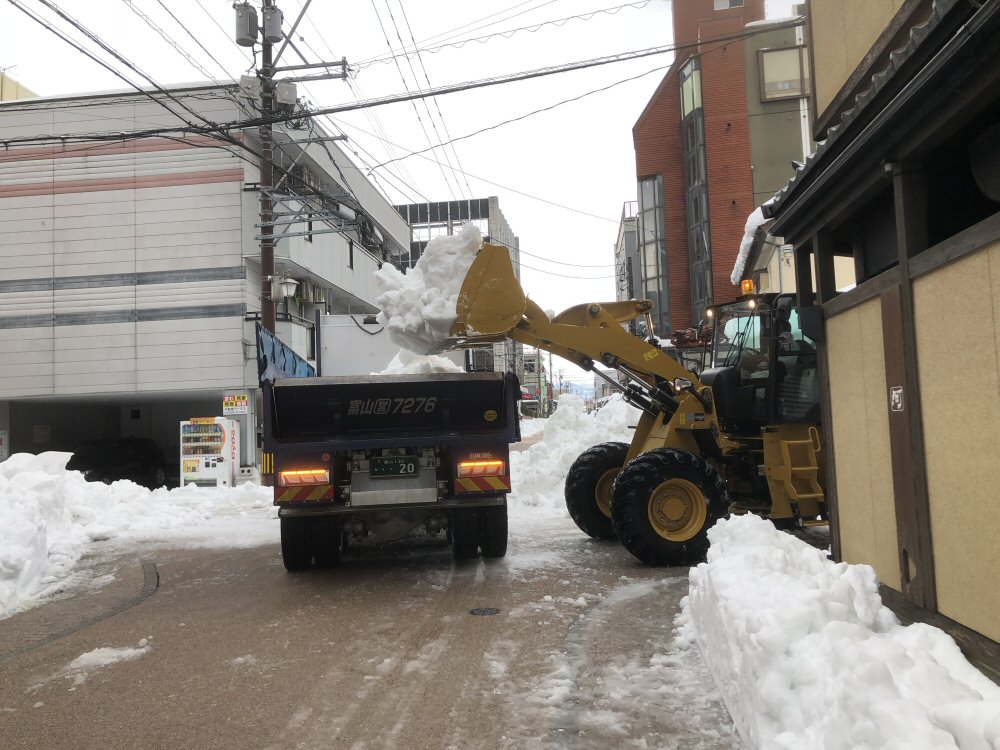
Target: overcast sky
562,176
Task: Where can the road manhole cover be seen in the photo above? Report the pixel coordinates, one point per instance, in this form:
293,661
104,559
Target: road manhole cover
484,611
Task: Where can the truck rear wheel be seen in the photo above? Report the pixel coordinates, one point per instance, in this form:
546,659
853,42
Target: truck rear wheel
588,488
465,524
327,539
664,503
493,531
296,550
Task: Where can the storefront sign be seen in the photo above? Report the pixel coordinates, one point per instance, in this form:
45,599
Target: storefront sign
235,403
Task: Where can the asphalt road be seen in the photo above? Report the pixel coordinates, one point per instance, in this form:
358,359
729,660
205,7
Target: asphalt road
570,646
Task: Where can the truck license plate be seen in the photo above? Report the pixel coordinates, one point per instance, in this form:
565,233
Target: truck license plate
394,466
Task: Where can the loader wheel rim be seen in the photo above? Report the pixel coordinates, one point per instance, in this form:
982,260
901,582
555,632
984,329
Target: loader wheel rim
602,491
677,510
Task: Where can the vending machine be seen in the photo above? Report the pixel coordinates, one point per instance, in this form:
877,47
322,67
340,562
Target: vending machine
210,451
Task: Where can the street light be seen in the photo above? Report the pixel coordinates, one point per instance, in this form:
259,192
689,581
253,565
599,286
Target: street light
282,287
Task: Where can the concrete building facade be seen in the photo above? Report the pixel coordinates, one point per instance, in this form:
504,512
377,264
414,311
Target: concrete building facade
130,261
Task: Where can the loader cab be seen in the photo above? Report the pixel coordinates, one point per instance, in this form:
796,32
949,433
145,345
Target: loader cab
763,368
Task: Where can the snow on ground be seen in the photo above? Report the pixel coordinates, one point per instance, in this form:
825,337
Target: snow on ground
806,655
50,518
538,473
801,648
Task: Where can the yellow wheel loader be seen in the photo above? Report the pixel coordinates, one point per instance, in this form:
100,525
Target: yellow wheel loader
740,437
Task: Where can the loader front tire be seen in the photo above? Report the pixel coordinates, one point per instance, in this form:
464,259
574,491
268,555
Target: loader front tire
588,488
663,505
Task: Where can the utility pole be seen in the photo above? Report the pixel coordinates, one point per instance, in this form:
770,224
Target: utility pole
267,313
270,32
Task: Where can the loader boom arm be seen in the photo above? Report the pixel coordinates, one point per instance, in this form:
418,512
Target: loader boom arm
492,306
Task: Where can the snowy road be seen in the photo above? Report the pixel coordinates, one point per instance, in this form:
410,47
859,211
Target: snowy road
232,652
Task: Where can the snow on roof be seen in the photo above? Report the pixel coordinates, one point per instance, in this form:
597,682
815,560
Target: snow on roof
755,221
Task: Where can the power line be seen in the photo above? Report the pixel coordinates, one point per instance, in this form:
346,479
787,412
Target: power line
402,175
127,63
454,88
412,99
505,34
170,40
565,263
551,70
493,23
433,99
196,40
497,184
533,112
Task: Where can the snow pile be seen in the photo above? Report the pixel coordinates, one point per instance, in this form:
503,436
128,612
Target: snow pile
754,222
806,656
50,517
106,656
419,307
407,363
538,474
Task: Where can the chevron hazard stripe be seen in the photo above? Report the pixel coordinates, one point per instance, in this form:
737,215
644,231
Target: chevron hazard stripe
309,492
482,484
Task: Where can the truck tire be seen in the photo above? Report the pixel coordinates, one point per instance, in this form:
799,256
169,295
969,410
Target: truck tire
296,550
493,531
327,540
465,524
664,503
588,488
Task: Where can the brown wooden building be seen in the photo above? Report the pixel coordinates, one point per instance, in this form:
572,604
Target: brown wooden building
906,182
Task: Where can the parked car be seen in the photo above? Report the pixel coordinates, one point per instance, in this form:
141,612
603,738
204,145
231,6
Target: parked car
137,459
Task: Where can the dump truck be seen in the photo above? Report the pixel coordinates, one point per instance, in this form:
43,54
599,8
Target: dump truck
740,437
380,456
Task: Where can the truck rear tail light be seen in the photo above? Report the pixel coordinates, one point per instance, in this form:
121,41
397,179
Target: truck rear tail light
482,468
296,477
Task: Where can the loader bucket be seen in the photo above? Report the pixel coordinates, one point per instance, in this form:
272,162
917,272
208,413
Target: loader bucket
491,301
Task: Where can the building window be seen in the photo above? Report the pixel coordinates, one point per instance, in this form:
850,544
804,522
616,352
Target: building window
696,190
350,253
653,252
727,4
309,230
784,73
690,88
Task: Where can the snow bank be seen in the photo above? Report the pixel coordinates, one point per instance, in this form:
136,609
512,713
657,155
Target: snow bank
50,517
419,307
806,656
540,472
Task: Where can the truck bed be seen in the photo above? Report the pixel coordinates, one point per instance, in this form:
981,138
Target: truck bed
381,410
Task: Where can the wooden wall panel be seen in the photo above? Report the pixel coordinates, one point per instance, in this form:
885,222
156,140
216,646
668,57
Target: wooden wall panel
866,512
957,314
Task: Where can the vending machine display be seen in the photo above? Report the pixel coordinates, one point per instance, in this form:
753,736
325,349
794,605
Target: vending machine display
210,451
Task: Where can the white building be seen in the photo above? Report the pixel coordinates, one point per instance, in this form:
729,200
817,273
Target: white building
130,264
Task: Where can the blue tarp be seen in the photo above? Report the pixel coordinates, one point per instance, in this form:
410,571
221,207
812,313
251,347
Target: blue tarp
275,359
